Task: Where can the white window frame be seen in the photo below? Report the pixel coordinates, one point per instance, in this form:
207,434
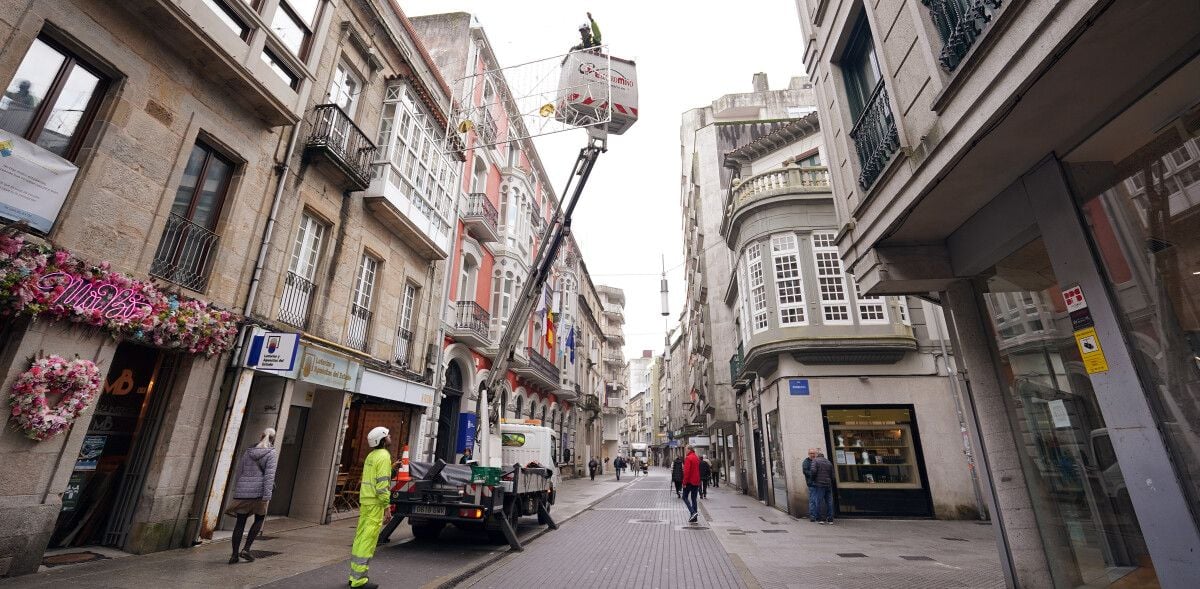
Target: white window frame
869,306
306,251
831,280
757,293
411,143
902,305
364,282
344,88
408,302
789,281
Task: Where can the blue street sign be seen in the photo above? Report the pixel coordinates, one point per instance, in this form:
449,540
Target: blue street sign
466,432
798,387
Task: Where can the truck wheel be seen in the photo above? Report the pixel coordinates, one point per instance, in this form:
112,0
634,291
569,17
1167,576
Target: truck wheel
428,531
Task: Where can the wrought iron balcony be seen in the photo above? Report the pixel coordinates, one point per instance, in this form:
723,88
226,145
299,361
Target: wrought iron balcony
298,294
358,328
185,253
402,353
481,218
959,23
471,324
336,137
538,369
488,129
875,137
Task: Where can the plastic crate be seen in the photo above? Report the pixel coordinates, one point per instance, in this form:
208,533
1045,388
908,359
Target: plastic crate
485,475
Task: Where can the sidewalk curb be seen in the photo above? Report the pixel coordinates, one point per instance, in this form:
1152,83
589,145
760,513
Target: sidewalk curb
466,572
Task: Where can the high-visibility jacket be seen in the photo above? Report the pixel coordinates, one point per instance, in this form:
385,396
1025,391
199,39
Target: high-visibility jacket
376,485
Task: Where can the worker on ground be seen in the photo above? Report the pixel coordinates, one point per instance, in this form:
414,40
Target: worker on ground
374,497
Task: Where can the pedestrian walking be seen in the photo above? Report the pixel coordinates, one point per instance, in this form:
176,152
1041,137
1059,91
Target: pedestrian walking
593,466
806,468
705,476
716,472
677,476
691,483
822,475
374,494
618,464
252,492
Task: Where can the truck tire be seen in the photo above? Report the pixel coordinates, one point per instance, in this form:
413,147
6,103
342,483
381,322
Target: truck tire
428,531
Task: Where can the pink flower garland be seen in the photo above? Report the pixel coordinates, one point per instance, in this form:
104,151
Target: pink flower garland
42,281
75,382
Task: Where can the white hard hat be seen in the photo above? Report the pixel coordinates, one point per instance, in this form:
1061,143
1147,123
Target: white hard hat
376,435
585,26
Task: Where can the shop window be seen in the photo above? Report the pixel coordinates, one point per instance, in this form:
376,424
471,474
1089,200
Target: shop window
52,98
1080,502
778,470
877,460
1149,249
189,243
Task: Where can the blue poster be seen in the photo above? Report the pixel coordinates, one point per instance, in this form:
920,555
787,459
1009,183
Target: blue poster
798,386
90,451
466,432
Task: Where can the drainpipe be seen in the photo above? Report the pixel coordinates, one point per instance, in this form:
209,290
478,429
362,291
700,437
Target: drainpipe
958,408
235,407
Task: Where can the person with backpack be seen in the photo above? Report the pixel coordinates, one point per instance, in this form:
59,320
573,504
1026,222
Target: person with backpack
822,476
677,476
252,492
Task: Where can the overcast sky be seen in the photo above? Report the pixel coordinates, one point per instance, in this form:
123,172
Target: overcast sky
688,54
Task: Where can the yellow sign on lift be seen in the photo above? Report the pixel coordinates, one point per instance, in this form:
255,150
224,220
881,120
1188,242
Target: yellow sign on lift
1090,351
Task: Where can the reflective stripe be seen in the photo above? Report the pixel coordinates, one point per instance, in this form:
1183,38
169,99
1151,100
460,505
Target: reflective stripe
382,480
362,560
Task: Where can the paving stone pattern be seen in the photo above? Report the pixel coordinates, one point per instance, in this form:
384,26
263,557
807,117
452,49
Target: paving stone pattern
603,547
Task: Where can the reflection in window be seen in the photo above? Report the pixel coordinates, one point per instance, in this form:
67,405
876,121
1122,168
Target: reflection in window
280,70
50,98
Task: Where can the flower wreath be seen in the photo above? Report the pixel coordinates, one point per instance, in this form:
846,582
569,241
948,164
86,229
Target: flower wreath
74,382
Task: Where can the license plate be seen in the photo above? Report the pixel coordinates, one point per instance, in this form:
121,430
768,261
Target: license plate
428,510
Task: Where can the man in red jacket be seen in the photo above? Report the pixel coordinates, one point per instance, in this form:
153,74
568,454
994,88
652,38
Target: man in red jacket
691,483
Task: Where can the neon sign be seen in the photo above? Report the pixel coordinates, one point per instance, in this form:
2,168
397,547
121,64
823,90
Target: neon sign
95,296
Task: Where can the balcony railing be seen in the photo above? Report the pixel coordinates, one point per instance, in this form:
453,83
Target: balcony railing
471,318
335,135
544,367
402,354
875,137
358,329
481,215
959,23
185,253
735,364
298,294
487,125
781,181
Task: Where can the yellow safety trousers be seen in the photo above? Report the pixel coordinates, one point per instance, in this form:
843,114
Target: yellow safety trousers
373,501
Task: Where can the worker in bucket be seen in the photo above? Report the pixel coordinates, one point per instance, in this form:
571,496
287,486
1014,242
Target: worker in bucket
374,497
589,34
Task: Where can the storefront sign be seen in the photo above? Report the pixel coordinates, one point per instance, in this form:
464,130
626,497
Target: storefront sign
1085,331
798,387
33,182
698,441
466,432
273,351
377,384
327,369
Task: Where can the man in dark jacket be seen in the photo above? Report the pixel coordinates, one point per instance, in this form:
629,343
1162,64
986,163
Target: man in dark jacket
705,477
619,465
677,476
593,466
822,477
806,468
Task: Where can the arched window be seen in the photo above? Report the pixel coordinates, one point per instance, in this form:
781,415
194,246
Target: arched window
479,177
517,408
532,408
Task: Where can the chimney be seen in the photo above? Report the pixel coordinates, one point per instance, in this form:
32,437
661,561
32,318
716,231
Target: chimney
760,82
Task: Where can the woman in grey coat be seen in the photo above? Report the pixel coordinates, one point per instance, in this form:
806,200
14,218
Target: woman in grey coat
252,491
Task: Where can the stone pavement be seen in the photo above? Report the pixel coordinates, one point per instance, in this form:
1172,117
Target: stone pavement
306,555
781,551
637,537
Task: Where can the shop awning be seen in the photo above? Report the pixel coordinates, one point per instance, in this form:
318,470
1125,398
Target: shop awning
383,386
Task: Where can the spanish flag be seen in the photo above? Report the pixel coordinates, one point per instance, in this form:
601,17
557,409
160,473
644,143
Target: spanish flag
551,316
